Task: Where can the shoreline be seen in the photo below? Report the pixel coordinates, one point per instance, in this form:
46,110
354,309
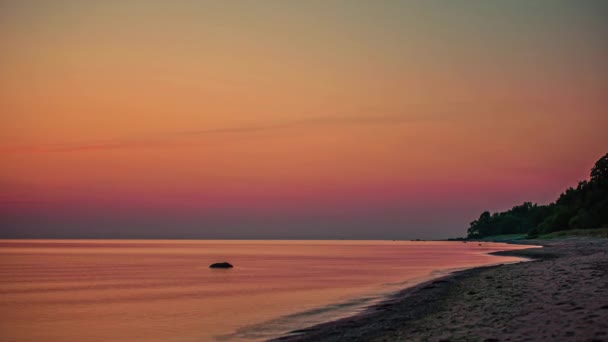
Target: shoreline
483,303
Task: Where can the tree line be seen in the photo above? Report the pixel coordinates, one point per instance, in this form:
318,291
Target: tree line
585,206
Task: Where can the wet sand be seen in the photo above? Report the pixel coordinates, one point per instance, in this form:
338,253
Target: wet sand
562,295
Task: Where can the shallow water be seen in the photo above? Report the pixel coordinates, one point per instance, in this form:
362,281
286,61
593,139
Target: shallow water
163,290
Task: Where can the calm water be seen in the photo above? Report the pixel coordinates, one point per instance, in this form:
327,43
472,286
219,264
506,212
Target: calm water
130,290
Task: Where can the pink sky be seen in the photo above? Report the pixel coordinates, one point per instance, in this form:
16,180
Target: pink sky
293,120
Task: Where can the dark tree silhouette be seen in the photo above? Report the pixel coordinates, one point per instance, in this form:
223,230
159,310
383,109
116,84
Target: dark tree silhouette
585,206
599,173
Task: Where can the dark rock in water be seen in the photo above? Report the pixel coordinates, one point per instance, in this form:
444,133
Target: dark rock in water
221,265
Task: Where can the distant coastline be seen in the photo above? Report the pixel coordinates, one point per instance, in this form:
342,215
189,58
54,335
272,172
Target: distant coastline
583,207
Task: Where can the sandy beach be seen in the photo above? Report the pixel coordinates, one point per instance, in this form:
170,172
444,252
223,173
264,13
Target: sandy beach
562,295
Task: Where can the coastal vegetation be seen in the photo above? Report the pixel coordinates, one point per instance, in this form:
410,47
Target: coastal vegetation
583,207
596,233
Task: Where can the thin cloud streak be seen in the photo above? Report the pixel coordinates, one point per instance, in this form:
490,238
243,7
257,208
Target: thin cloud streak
173,139
313,122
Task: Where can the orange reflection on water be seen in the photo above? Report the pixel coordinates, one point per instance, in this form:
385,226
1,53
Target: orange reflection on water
163,290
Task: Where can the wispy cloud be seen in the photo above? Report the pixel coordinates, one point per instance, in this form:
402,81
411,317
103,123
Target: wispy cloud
179,138
77,146
309,122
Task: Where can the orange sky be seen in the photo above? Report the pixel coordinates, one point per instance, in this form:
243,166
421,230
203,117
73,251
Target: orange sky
317,119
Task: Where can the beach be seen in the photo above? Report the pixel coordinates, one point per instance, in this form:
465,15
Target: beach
561,295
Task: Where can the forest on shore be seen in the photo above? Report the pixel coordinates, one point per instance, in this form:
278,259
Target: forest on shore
583,207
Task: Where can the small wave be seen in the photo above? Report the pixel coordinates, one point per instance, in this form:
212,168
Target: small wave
296,322
299,320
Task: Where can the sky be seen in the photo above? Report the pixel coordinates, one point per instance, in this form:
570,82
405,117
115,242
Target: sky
293,119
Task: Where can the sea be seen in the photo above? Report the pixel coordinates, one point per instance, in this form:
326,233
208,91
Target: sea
164,290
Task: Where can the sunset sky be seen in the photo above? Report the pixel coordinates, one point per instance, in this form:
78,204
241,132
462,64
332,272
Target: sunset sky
293,119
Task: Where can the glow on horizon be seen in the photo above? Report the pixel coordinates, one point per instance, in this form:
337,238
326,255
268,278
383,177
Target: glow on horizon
324,119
